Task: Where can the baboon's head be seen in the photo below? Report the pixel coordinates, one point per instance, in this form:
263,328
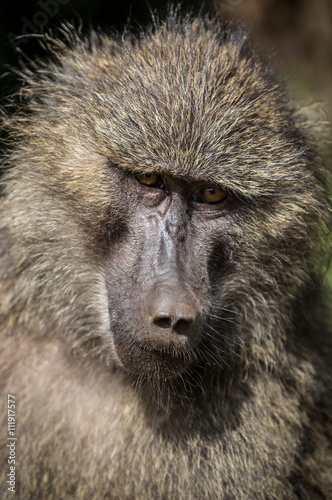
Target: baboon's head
166,204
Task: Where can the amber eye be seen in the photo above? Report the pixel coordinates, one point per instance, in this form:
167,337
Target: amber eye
150,180
210,194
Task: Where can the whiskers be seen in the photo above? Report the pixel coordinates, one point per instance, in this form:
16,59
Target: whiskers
170,393
223,340
222,347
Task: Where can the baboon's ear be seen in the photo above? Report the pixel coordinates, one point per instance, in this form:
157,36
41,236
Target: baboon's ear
312,118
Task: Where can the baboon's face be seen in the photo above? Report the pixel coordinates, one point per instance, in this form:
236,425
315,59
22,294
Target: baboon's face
159,282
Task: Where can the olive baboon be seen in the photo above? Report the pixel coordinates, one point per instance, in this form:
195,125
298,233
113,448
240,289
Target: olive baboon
164,217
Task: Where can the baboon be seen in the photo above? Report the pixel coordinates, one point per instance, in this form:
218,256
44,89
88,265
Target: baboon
164,226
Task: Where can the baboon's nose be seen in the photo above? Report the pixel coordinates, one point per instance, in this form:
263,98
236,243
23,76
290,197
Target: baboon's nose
173,314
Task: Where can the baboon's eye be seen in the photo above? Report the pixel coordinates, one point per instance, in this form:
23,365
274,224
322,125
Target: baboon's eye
210,194
150,180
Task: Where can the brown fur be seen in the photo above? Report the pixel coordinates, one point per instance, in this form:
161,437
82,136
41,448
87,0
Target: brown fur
249,417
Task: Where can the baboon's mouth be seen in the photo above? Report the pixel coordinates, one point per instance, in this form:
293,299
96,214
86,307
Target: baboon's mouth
142,359
162,353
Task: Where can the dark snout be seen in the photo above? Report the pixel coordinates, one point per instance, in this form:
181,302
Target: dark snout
172,316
